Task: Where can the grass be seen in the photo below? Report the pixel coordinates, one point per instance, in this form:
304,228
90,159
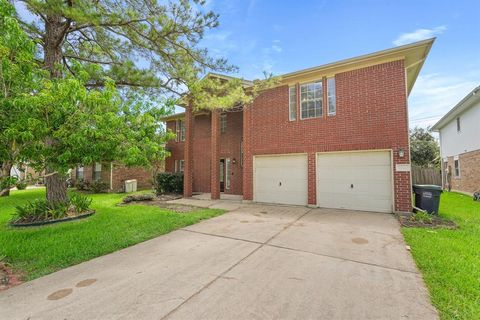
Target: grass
450,259
38,251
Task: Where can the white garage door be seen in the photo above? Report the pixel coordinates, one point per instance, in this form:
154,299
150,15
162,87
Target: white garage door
355,180
281,179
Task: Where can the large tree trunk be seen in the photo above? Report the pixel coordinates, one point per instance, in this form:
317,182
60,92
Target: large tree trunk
55,27
56,188
5,171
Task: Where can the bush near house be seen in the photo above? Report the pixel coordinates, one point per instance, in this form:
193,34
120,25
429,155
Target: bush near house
99,186
167,182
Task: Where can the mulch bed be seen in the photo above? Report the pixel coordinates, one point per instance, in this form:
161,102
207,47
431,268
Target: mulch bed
407,220
161,201
8,279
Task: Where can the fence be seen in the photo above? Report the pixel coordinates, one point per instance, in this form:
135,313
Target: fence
426,176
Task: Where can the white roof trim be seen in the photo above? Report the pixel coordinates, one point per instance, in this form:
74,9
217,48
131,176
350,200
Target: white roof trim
463,105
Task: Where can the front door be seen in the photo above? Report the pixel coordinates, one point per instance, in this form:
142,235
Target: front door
222,175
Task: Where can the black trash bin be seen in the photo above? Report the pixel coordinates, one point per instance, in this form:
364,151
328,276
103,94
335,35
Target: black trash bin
427,197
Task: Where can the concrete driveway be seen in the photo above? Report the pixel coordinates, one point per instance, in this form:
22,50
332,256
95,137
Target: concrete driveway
255,262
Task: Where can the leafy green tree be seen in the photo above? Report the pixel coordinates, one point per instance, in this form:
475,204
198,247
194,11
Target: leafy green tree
424,148
83,125
139,44
19,76
149,45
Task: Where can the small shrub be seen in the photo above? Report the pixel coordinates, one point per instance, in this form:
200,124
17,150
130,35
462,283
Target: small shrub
21,185
40,210
82,185
139,197
421,216
79,202
167,182
99,186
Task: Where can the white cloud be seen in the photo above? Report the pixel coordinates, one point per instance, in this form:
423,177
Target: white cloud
434,95
419,34
276,48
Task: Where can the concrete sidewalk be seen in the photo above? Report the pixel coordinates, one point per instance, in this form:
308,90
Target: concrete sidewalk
255,262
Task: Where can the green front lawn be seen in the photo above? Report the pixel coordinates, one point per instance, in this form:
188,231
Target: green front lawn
450,259
40,250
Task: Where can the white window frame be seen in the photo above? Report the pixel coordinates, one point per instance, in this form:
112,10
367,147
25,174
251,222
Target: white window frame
320,99
97,171
180,130
227,173
223,122
456,167
179,165
80,170
292,105
333,95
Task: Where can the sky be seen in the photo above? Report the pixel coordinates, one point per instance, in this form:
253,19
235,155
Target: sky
284,36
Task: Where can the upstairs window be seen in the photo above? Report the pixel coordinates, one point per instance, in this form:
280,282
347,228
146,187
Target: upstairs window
458,124
97,172
180,128
223,122
311,100
292,104
332,99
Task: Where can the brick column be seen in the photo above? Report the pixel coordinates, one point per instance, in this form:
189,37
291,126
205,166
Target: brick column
188,154
402,181
215,156
247,156
312,179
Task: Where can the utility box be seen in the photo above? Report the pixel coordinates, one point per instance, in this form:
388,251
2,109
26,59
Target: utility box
130,185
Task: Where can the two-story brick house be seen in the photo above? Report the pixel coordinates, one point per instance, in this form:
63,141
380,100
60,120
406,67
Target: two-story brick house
330,136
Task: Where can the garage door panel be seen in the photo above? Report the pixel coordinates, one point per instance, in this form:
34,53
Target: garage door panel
281,179
368,172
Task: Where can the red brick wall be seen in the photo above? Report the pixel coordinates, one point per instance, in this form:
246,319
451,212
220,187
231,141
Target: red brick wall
229,148
230,142
121,173
469,179
176,149
201,153
371,114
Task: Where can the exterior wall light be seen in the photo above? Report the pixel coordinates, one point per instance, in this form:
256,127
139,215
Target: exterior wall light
401,153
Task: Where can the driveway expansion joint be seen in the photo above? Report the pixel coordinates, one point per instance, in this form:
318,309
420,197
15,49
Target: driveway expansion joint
268,244
222,275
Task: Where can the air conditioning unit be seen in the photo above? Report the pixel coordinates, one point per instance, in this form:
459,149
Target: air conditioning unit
130,185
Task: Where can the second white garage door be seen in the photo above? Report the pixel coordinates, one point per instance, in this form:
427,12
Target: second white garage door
281,179
355,180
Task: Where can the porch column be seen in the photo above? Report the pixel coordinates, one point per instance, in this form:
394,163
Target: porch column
215,156
188,154
247,156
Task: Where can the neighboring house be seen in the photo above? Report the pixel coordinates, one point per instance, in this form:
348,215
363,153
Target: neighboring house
460,144
25,172
113,174
332,136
